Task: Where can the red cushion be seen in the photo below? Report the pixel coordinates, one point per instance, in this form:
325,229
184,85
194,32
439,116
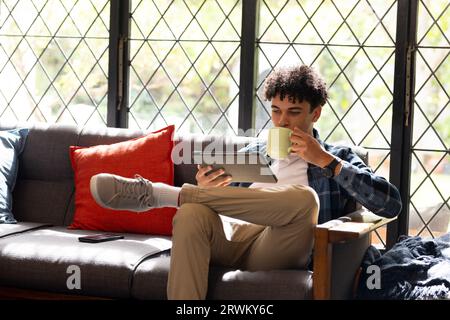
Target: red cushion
148,156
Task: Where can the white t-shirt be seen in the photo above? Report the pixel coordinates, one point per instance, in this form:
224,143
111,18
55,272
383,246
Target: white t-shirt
292,170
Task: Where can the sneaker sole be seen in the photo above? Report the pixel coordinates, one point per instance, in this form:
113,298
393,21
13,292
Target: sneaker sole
94,192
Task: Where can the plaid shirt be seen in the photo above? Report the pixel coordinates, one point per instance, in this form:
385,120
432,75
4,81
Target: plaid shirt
356,181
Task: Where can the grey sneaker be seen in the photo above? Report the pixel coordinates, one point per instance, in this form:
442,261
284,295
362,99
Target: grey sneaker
119,193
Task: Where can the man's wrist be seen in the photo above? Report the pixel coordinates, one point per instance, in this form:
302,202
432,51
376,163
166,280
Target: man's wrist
325,160
328,163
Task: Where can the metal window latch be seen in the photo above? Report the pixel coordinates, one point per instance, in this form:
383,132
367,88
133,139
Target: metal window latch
408,93
121,46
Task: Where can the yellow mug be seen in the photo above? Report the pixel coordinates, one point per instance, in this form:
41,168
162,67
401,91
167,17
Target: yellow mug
279,143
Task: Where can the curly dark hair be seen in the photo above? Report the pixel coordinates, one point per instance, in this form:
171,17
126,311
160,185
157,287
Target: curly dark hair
298,83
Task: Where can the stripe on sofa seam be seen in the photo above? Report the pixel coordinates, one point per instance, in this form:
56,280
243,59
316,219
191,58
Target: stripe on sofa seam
139,262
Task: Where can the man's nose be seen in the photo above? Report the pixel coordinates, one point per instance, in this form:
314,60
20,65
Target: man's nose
283,121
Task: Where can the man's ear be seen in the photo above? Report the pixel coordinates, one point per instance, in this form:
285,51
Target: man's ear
316,113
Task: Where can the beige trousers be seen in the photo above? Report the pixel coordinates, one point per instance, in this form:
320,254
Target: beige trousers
278,233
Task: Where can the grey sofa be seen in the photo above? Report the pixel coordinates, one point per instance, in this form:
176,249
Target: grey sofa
36,253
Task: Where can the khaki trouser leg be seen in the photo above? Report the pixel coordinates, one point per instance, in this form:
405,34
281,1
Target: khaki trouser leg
198,241
288,212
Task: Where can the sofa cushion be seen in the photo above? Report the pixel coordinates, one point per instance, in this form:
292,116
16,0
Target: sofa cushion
12,143
11,229
227,284
150,281
46,154
44,184
148,156
40,260
42,201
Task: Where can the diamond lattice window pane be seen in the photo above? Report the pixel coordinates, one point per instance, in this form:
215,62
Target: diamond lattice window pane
432,30
379,160
430,170
429,197
53,61
185,65
341,62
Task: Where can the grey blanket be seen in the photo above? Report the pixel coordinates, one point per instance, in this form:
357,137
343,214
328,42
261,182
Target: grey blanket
415,268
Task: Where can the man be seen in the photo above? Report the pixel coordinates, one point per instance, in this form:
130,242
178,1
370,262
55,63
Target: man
272,224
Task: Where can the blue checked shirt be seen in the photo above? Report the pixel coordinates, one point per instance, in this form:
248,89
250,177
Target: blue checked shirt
356,181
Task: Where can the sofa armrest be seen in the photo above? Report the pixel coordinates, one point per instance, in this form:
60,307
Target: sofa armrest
339,246
353,226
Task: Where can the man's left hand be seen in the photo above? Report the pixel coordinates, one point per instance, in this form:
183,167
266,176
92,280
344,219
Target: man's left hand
309,149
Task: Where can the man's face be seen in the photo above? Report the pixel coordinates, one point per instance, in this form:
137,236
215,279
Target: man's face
289,115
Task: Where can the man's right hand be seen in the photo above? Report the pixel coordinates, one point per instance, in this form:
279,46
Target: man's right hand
205,178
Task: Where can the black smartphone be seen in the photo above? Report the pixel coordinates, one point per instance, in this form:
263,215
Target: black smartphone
100,238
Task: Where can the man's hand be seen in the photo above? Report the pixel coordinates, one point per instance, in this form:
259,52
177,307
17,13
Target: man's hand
205,178
309,149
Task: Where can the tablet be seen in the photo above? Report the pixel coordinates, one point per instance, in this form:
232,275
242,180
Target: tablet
242,167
